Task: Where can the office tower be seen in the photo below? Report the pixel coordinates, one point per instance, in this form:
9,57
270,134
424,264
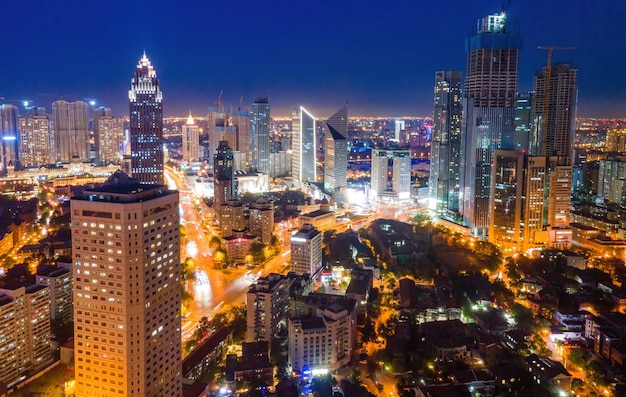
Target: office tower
220,128
111,139
488,112
35,140
9,134
558,192
303,158
126,253
262,219
517,201
98,113
146,124
391,175
24,331
339,121
335,164
59,283
306,251
445,149
241,122
558,99
612,180
260,134
267,304
523,120
71,131
224,176
191,140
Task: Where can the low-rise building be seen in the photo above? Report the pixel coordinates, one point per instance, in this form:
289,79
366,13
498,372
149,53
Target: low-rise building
547,372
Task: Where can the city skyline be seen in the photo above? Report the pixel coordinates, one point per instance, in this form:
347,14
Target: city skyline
383,58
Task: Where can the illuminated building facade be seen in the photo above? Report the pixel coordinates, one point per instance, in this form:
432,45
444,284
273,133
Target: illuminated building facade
111,137
99,113
10,136
267,304
306,251
445,149
35,139
24,331
146,124
303,157
260,124
262,219
391,175
335,163
125,247
523,119
191,140
224,176
488,112
71,131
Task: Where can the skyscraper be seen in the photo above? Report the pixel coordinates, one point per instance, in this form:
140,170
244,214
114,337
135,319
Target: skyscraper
303,158
224,175
98,113
10,137
306,251
35,139
127,296
391,175
111,139
445,149
336,154
523,120
146,124
488,112
260,134
71,131
191,140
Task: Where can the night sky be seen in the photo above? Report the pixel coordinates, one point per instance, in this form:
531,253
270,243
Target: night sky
380,55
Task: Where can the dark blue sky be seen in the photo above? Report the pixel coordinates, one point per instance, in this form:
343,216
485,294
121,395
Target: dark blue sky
381,55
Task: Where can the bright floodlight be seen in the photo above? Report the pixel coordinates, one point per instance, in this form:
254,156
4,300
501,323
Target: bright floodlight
92,102
25,103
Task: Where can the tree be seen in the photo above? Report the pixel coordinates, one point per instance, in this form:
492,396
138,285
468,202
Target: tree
576,357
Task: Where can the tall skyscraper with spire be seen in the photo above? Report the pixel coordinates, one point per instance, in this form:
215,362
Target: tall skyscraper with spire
488,112
445,149
146,124
260,134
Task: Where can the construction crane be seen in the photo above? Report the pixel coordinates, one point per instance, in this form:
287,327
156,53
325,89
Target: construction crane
546,97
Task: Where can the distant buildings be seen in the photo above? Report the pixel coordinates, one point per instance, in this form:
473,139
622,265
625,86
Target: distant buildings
391,175
191,140
36,140
488,112
111,139
303,157
24,331
9,133
445,164
306,251
127,297
97,114
146,124
71,131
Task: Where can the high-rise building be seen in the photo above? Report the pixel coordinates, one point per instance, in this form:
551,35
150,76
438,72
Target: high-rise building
9,134
71,131
339,121
523,120
24,331
517,201
99,113
231,218
262,219
267,304
445,149
127,295
488,112
111,139
191,140
615,140
35,140
612,180
224,175
59,281
220,128
260,134
241,122
553,135
335,163
306,251
146,124
303,158
391,175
